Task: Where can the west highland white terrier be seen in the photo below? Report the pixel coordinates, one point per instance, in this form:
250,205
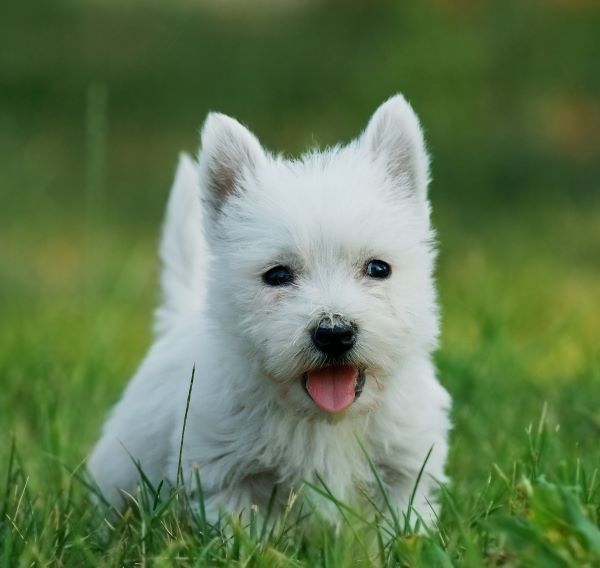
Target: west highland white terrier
302,293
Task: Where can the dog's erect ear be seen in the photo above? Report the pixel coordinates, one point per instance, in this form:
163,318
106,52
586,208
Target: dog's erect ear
394,136
229,152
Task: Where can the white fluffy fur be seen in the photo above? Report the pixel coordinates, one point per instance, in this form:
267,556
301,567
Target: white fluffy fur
251,425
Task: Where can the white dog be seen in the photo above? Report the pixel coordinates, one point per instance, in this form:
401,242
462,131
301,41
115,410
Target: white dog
302,292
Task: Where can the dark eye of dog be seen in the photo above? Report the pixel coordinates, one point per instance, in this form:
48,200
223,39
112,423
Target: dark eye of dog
378,269
278,276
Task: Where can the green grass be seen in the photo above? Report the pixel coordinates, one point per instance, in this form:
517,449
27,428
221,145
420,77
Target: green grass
524,375
96,99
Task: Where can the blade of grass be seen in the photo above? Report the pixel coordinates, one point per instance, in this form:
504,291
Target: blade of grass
394,515
413,494
185,417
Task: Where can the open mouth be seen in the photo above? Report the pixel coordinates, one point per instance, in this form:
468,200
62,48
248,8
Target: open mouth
335,388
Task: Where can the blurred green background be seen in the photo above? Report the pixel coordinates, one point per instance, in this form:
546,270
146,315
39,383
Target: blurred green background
98,98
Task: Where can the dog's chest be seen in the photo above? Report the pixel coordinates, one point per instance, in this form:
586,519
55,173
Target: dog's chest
281,450
315,454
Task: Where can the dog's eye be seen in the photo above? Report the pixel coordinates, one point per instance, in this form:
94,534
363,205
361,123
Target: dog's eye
378,269
278,276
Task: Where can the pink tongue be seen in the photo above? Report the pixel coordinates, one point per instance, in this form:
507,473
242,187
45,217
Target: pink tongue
332,388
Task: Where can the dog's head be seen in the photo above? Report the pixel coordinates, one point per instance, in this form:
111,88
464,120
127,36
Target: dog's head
322,266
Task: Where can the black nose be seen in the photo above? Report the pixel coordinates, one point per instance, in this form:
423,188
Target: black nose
334,340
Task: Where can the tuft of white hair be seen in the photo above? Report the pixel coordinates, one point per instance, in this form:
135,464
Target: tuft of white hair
183,251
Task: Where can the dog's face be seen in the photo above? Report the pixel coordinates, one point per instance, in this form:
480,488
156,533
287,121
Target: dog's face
322,266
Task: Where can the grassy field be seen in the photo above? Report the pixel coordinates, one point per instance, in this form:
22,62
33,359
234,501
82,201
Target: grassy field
97,99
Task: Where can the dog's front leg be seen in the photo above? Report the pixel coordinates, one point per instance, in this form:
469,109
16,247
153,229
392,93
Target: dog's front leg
243,498
234,501
413,503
